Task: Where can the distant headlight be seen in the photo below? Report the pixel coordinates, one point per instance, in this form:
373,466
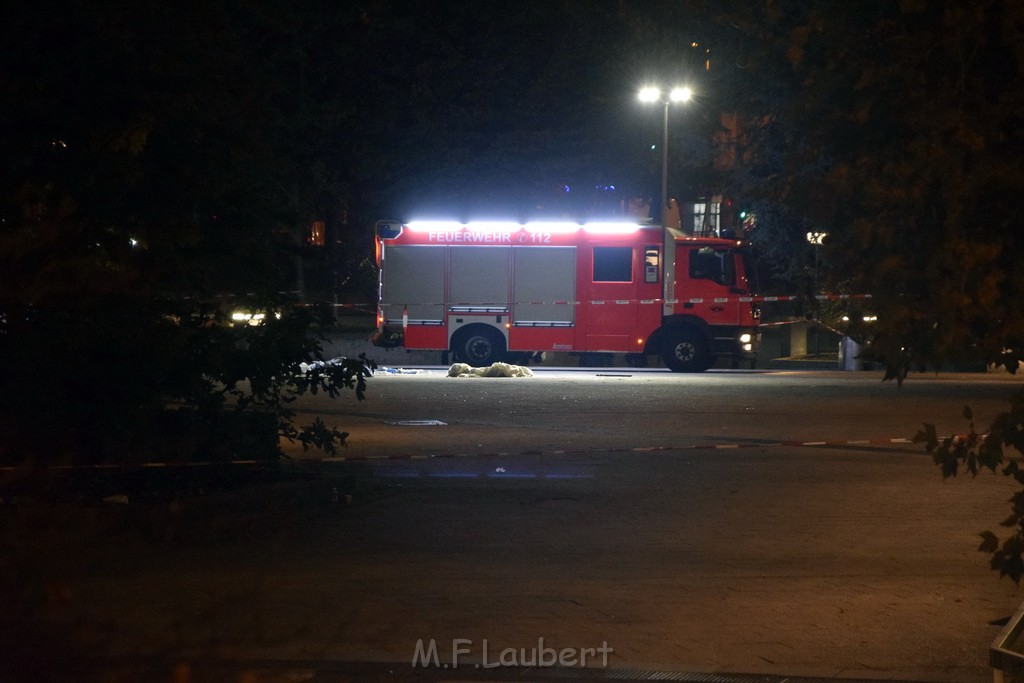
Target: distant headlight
746,338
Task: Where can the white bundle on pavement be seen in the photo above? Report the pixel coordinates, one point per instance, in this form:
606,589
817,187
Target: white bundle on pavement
495,370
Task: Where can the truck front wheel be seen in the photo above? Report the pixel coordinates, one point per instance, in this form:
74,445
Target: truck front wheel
479,346
686,350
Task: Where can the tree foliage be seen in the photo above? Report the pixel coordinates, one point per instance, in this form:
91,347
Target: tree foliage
973,452
896,127
156,157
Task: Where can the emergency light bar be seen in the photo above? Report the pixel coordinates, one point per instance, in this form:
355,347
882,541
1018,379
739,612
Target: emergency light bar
611,228
427,226
606,228
561,228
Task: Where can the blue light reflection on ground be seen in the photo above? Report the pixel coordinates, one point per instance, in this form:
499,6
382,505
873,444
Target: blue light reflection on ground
398,472
567,475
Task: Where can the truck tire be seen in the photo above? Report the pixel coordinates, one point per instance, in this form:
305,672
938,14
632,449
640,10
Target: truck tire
686,350
478,346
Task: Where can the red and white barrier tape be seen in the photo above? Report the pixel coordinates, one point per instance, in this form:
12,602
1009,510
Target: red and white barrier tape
696,300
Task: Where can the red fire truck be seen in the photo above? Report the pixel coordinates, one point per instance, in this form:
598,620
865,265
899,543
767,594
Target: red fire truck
488,291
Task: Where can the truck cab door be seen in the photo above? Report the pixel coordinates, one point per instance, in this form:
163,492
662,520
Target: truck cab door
712,278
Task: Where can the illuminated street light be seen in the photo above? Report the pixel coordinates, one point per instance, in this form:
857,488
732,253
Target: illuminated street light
650,94
680,94
676,95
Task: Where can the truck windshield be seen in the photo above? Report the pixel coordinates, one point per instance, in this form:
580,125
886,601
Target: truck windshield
717,265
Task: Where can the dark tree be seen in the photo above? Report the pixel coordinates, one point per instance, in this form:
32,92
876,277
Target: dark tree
896,128
155,156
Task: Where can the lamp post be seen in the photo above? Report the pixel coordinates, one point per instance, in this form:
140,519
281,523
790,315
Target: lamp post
816,240
654,94
677,95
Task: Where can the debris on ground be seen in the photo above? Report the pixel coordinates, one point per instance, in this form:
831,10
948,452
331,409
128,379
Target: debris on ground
399,371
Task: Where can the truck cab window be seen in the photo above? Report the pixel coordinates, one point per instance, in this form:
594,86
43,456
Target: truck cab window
652,260
613,264
717,265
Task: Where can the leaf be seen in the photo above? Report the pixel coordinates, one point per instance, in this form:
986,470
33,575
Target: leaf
972,464
989,542
928,436
990,454
1008,560
1014,568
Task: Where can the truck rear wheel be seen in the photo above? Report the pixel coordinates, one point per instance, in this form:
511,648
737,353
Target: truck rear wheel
686,350
478,346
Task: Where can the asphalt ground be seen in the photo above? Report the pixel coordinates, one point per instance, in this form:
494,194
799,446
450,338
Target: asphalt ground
701,535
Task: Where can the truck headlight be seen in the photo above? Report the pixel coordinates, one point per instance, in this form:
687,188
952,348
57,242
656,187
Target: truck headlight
746,338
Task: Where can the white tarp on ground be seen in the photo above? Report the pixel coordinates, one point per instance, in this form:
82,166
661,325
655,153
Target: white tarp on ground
495,370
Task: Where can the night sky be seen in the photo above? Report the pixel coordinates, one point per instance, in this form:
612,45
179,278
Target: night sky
390,108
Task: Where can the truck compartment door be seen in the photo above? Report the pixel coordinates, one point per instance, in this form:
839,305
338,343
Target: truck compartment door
544,286
479,279
413,281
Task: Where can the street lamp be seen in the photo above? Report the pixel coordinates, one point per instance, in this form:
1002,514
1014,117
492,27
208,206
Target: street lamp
816,239
676,95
